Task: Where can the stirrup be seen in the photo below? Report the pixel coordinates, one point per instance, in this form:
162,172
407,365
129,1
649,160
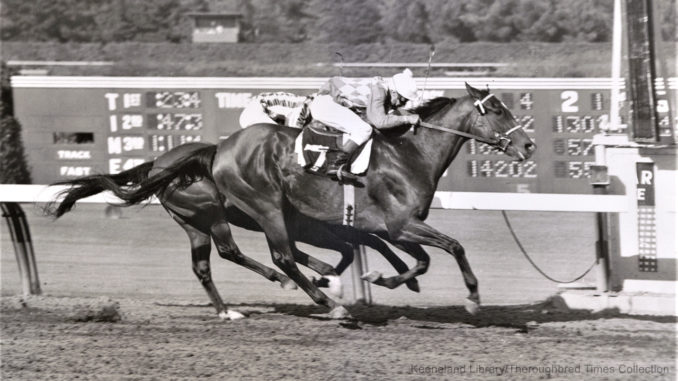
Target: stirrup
342,175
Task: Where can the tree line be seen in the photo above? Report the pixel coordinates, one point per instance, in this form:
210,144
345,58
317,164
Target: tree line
342,21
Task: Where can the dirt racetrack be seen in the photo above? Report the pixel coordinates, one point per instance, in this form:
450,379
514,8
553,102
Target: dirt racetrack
121,303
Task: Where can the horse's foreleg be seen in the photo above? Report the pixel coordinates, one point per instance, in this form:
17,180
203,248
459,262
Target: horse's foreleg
401,267
416,231
227,248
282,256
312,263
271,219
418,253
319,235
265,203
328,276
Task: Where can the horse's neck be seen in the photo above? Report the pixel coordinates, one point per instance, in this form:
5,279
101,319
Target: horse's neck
440,147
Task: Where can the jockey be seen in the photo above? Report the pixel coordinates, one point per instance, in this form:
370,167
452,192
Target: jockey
377,99
281,108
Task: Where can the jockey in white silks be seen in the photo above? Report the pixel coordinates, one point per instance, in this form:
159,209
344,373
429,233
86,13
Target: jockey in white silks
378,98
281,108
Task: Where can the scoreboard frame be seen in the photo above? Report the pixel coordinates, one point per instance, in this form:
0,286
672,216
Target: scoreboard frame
77,125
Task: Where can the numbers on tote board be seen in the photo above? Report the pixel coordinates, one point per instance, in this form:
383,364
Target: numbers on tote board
585,124
178,121
502,168
163,143
570,98
173,99
573,147
572,169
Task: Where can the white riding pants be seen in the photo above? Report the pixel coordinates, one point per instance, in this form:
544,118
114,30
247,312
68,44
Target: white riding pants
325,110
254,113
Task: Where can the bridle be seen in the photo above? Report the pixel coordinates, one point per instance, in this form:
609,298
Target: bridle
502,139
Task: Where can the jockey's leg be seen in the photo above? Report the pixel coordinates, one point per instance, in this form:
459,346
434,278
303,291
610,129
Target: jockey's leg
339,165
327,111
253,114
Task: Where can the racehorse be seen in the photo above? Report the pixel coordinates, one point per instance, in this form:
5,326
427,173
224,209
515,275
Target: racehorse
265,181
205,215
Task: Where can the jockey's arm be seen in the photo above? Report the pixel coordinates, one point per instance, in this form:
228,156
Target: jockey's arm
376,110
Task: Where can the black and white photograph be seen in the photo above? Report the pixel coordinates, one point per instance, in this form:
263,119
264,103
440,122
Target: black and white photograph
338,190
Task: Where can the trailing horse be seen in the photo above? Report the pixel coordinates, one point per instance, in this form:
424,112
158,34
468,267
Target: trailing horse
265,181
195,204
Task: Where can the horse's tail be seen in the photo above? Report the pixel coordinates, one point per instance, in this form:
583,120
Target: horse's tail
90,185
134,185
185,170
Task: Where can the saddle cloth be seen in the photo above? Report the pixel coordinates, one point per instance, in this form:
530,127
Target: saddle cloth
312,145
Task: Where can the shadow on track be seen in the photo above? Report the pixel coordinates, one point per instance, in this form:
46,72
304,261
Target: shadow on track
519,317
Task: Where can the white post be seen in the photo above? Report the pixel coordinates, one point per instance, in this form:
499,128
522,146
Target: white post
616,67
368,287
600,184
357,269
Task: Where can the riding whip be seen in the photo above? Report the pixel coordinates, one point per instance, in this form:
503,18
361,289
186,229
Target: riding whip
341,64
431,53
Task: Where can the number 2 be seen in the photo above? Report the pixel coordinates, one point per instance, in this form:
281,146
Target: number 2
569,99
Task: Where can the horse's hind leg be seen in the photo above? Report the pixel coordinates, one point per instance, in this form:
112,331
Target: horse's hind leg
200,256
227,248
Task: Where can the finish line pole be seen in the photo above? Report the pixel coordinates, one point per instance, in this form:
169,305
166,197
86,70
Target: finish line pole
361,289
616,67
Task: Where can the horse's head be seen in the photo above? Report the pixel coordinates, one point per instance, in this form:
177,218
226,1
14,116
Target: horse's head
495,124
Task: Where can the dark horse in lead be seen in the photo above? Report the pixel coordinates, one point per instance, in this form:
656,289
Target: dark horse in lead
265,181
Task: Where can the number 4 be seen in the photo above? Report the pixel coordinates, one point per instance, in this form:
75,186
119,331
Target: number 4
569,99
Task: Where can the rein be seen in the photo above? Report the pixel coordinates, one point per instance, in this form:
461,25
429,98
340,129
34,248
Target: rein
503,139
456,132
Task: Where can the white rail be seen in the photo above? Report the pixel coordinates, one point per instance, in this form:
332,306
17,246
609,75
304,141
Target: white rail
58,63
444,200
84,82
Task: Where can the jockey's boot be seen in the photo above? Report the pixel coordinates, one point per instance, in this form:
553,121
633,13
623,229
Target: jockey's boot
339,166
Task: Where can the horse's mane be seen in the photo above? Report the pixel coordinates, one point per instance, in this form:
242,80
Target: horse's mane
432,106
424,111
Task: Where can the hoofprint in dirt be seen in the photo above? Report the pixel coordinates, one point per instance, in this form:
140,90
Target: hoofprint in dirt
66,338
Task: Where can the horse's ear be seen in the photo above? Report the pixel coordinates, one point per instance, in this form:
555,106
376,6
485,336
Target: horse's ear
472,91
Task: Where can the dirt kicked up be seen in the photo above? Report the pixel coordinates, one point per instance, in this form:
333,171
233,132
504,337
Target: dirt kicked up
67,338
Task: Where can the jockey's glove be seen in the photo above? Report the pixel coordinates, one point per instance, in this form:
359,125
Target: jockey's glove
413,119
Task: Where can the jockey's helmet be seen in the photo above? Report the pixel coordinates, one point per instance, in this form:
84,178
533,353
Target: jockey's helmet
405,85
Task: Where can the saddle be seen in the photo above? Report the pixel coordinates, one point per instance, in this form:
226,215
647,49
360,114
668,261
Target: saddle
316,140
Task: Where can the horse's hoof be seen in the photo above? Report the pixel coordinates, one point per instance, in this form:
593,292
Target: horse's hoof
234,315
321,282
372,276
413,285
471,306
336,288
231,315
288,285
339,312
